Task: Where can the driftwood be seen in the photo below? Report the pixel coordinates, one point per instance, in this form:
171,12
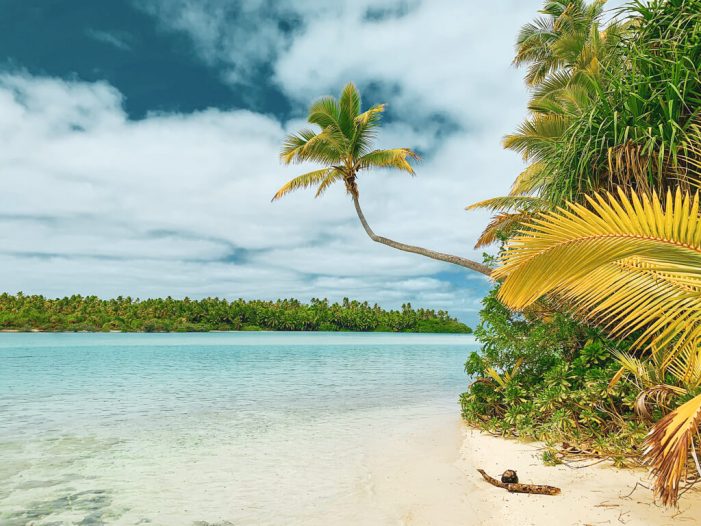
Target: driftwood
535,489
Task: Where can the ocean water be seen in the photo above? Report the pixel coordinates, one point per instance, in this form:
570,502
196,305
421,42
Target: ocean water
213,429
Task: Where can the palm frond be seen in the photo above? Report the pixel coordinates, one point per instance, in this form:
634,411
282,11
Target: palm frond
349,103
331,178
529,180
508,203
395,158
325,112
540,131
587,257
503,224
667,448
303,181
371,116
293,145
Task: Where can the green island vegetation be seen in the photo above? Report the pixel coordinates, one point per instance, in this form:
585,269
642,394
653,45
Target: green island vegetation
89,313
591,336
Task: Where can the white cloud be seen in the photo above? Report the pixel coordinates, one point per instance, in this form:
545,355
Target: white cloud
177,204
453,93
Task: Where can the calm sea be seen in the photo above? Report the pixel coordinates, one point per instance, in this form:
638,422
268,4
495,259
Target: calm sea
210,429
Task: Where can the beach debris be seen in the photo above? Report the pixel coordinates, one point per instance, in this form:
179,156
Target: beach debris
535,489
509,477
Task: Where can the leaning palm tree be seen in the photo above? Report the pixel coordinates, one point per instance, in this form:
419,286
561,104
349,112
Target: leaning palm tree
344,146
631,265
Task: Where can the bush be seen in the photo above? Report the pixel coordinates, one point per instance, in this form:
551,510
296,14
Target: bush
546,377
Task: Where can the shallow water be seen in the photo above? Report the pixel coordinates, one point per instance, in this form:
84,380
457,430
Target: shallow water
219,428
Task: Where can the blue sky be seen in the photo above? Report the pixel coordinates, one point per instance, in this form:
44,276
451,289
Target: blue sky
140,144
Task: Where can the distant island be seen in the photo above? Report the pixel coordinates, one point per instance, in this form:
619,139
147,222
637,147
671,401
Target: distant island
77,313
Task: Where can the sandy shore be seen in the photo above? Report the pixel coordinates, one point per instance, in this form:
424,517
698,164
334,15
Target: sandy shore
431,479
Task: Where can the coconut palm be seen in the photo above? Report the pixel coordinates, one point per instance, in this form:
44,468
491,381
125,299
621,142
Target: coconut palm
632,265
343,145
563,40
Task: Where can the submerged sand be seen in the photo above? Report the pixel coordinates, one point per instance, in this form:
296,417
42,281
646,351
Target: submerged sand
430,478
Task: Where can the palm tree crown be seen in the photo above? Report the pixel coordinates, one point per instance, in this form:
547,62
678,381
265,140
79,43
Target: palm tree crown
343,145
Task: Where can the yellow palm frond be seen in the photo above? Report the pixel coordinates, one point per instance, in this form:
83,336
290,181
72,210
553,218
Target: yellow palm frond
303,181
685,366
587,257
395,158
502,224
528,180
370,116
624,298
667,448
331,178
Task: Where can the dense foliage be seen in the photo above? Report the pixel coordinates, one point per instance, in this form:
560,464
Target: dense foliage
90,313
547,378
632,266
615,107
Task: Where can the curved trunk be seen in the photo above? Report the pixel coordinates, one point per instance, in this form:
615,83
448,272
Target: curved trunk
455,260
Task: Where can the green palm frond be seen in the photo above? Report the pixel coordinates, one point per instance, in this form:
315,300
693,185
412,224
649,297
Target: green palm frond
529,180
327,146
349,104
293,145
325,112
508,203
540,131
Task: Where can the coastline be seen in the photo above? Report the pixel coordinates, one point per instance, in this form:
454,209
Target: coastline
436,483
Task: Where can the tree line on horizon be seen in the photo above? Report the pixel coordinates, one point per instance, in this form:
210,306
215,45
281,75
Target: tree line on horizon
89,313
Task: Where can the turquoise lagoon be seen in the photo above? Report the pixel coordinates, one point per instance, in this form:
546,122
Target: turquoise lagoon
213,429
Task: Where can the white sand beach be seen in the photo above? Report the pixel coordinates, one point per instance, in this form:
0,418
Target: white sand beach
433,481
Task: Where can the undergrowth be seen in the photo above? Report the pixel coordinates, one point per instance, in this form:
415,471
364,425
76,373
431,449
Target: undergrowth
546,377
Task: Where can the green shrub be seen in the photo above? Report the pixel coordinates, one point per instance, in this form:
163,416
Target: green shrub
546,377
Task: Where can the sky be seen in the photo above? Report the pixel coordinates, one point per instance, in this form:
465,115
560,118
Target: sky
140,143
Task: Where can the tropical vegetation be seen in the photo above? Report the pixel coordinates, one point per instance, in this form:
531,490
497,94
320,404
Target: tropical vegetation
591,336
90,313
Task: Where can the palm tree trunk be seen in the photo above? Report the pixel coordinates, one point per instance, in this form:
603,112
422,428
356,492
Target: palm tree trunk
455,260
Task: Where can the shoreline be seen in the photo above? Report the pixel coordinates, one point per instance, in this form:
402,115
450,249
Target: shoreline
594,494
42,331
430,478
